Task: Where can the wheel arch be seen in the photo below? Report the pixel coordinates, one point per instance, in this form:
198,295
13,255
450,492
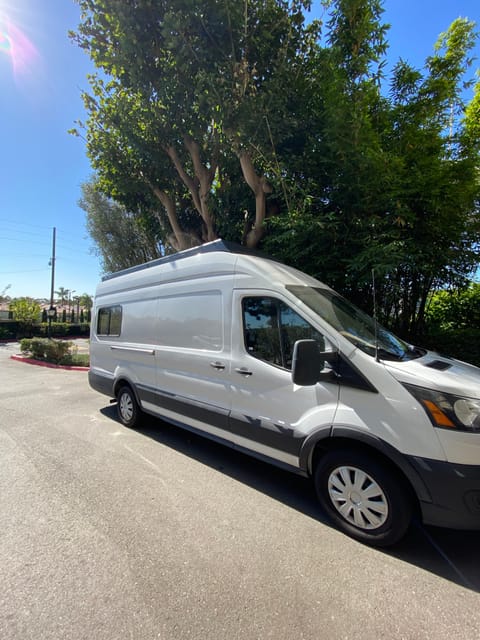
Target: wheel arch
384,453
123,381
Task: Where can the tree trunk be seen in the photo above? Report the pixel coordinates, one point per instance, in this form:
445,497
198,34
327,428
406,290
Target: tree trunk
260,187
179,239
200,188
205,178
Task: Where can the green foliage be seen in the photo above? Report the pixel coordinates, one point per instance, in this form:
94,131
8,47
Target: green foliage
121,238
55,351
453,323
7,330
25,310
62,329
393,181
455,309
26,345
62,294
462,343
86,301
45,349
235,118
193,88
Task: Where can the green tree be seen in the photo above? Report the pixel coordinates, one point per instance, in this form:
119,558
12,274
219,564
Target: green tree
86,301
395,183
433,218
122,238
62,294
346,166
234,118
454,308
193,85
27,312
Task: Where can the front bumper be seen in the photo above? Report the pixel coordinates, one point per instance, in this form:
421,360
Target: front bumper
455,493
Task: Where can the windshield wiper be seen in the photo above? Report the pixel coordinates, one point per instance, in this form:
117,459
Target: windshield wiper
384,354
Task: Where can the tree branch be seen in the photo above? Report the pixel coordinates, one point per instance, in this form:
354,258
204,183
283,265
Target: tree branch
260,187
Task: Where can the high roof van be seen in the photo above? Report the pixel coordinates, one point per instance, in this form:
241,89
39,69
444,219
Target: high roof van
263,358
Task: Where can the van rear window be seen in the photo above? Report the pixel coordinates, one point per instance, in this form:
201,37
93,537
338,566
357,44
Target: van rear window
109,322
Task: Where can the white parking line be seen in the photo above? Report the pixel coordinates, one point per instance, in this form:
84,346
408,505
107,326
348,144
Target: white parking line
149,462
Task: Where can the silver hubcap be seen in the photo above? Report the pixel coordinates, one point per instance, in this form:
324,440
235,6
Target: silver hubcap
357,497
126,407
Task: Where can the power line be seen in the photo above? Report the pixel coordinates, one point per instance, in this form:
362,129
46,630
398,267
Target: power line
21,256
21,240
27,233
25,224
4,273
69,248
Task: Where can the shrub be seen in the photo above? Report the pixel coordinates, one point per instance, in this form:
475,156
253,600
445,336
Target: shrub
55,351
37,347
456,308
61,329
9,329
76,359
26,345
461,343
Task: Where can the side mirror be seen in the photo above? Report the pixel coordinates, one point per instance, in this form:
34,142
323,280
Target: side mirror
307,362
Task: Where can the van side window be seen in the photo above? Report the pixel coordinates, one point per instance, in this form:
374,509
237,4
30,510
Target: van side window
109,321
271,328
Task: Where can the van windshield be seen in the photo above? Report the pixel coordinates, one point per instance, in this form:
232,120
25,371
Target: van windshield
354,324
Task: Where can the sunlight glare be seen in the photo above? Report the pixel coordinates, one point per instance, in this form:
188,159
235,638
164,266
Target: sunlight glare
15,44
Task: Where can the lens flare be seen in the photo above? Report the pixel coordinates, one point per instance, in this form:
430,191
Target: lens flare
5,44
17,46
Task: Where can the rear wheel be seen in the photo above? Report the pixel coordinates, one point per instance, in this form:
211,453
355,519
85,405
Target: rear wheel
129,413
362,497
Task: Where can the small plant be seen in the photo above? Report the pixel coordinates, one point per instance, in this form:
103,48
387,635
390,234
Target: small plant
26,345
76,359
55,351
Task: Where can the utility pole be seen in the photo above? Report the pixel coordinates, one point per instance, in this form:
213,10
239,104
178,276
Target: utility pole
51,311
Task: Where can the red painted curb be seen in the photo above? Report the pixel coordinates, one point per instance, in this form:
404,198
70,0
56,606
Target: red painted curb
49,365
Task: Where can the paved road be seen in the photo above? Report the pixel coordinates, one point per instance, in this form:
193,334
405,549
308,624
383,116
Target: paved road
111,534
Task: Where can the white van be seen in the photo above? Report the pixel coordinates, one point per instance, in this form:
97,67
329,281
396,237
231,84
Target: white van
263,358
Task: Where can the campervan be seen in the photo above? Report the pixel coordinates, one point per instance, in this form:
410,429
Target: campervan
266,359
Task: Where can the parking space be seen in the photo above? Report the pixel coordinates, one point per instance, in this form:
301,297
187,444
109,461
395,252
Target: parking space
114,533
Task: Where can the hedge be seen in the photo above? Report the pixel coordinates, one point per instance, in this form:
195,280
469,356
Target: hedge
11,329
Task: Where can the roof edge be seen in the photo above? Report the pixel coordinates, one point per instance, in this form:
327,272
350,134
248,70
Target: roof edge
209,247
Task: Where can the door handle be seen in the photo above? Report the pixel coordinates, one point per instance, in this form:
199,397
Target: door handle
217,365
244,371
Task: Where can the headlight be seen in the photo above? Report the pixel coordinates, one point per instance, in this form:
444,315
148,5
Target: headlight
448,411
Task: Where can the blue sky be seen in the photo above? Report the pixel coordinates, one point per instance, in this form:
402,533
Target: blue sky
42,167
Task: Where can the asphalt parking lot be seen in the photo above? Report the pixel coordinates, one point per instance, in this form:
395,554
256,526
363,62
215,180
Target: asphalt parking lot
112,533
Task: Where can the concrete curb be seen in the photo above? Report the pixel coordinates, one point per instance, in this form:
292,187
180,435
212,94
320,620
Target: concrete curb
48,365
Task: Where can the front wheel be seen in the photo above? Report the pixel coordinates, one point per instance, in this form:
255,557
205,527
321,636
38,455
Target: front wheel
362,497
129,413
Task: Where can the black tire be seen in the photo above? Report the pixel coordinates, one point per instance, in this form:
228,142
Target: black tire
362,497
128,411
